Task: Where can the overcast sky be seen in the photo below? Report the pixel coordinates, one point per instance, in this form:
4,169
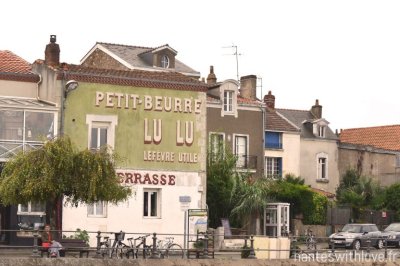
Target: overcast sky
346,53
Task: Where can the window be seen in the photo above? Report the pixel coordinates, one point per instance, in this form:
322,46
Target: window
32,208
321,131
164,61
98,136
151,203
216,145
228,101
241,151
322,167
273,140
274,167
101,130
97,209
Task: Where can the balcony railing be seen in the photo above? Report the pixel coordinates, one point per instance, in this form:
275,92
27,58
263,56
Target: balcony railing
9,148
246,162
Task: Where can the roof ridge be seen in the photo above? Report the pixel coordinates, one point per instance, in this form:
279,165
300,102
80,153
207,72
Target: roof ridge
373,127
297,110
125,45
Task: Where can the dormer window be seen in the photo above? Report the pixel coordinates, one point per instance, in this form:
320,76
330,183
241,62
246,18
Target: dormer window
320,127
164,61
228,101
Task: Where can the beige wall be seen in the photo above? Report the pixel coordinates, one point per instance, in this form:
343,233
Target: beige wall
310,148
290,154
380,165
18,89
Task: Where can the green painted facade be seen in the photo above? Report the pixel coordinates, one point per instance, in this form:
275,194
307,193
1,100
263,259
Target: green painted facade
130,130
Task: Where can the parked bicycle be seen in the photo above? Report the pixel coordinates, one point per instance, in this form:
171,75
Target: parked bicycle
311,241
117,250
140,249
168,249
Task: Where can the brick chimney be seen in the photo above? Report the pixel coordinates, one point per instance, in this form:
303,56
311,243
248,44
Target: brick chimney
316,110
269,100
211,78
248,87
52,52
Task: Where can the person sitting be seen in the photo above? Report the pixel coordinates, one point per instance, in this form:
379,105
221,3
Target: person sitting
49,242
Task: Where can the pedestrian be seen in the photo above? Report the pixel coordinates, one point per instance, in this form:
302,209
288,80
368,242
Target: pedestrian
48,242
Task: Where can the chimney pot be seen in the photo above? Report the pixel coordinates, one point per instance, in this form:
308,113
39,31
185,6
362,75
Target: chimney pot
211,78
317,109
269,100
52,52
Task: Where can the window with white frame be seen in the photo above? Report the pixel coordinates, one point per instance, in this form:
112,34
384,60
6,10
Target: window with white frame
321,131
32,208
97,209
164,61
322,167
274,167
152,203
241,150
228,101
101,130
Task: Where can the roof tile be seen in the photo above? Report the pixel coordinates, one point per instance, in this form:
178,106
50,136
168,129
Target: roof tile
383,137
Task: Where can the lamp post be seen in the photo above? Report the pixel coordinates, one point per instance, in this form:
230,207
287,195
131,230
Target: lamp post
69,86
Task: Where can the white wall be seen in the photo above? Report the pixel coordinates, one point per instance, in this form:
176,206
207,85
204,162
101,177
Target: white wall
308,156
128,216
290,154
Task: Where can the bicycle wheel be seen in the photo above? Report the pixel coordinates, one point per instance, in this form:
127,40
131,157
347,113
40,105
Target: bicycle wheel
121,251
104,251
174,251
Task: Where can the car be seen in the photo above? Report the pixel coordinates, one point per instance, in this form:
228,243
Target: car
392,234
356,236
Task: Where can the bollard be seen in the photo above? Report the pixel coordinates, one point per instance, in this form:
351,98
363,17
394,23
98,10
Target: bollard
333,246
144,247
252,254
205,246
385,247
154,253
368,246
35,252
98,254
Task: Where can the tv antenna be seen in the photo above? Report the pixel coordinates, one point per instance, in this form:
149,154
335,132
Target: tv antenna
236,54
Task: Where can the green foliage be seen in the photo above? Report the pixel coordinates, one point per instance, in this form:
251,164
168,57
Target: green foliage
220,180
360,192
392,199
301,198
291,178
79,234
56,169
250,196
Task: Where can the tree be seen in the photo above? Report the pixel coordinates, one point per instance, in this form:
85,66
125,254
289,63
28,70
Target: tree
221,165
359,192
57,169
250,197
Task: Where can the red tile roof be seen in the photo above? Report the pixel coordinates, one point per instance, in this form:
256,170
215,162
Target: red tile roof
13,67
383,137
275,122
137,78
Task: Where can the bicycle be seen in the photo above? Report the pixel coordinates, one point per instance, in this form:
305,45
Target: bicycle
168,249
117,250
134,249
105,247
311,242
